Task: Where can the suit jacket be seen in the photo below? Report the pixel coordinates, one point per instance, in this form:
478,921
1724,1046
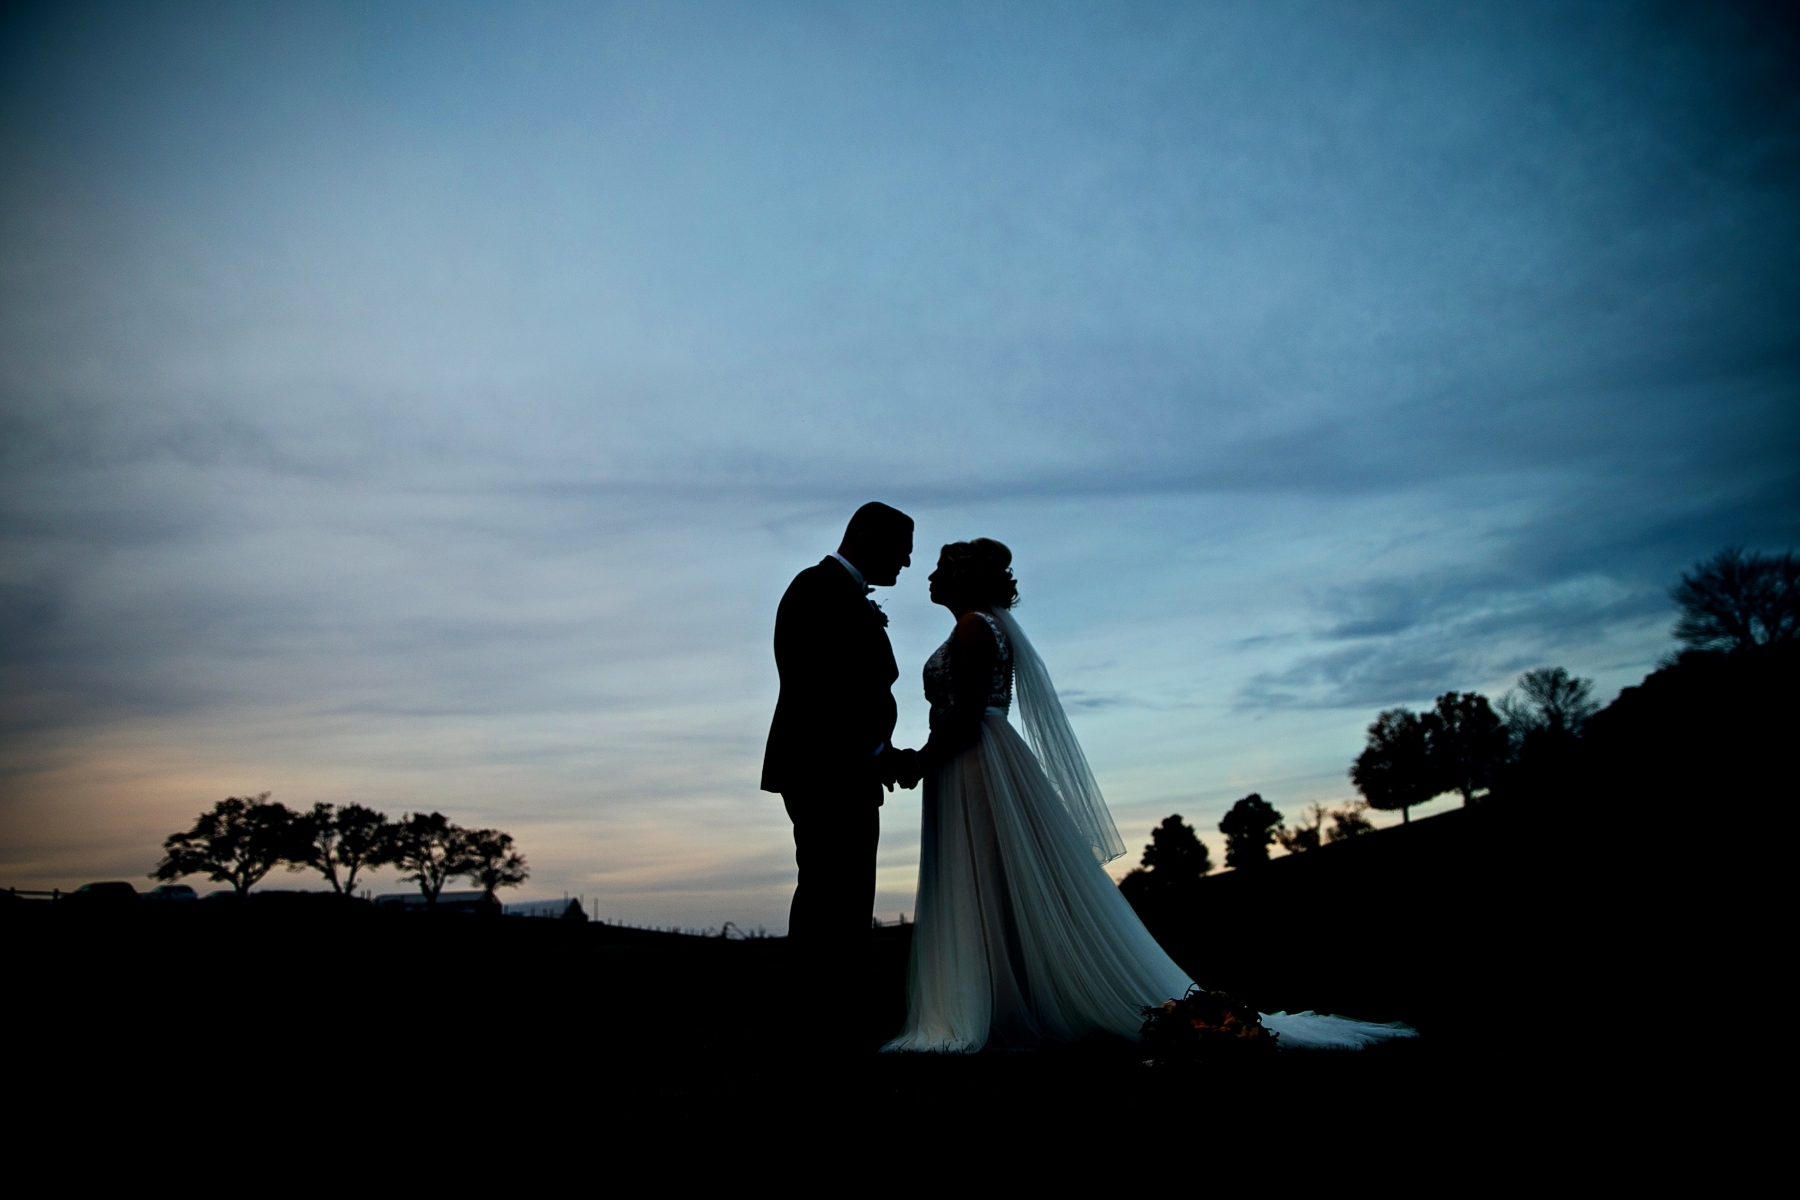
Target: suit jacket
837,679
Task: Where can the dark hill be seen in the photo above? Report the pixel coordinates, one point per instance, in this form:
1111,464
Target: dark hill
1406,924
1602,871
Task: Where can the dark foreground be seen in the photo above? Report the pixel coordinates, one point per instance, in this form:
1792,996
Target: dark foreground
309,1000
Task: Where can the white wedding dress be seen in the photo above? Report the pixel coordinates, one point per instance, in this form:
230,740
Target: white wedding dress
1021,938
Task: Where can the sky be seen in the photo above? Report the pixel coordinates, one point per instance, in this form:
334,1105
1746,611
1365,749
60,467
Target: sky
425,405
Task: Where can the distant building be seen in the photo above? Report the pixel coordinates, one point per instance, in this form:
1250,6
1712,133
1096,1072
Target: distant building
561,910
456,902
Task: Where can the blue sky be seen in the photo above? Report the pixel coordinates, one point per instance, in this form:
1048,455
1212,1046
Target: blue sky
425,405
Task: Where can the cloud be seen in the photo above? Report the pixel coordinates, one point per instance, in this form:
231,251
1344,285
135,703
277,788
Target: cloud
1402,638
381,416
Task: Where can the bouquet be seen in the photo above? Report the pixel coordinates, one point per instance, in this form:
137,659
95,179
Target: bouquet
1204,1027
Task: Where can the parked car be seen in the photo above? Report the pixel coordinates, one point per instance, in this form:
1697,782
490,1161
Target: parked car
172,893
114,893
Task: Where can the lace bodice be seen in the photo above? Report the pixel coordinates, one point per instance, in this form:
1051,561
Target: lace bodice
940,685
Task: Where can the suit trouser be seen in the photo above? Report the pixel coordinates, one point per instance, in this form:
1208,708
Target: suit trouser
836,831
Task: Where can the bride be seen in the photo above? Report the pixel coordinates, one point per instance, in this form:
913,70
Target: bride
1021,938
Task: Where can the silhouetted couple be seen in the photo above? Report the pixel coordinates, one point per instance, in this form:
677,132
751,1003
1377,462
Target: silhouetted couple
1020,936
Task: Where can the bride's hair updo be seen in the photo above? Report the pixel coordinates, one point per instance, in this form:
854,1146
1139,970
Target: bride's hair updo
982,571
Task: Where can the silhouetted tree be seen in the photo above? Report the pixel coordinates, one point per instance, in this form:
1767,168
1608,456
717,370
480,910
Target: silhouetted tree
1395,770
241,840
1176,851
430,851
351,837
1349,821
1306,834
1173,862
1249,828
493,863
1466,744
1735,600
1548,698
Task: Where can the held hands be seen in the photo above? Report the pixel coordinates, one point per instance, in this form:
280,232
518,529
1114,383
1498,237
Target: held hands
896,766
911,769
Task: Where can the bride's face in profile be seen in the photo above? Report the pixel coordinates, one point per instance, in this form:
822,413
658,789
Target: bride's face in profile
943,588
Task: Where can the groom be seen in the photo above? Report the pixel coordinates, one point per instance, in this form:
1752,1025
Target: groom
829,753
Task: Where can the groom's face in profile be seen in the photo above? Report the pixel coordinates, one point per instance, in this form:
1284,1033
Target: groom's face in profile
880,558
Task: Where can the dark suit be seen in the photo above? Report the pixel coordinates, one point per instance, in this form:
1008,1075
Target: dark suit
836,709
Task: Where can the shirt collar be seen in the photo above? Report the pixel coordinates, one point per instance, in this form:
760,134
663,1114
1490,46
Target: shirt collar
854,573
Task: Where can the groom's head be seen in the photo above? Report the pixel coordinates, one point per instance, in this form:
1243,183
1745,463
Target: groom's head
879,541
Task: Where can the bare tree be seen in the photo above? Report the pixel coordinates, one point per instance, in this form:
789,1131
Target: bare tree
1310,832
239,842
1548,699
1350,821
1307,833
1735,600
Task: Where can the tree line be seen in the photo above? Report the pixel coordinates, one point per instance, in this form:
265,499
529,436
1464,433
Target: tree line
1462,744
1176,858
1732,602
242,839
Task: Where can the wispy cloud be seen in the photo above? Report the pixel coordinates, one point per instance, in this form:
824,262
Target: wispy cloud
432,410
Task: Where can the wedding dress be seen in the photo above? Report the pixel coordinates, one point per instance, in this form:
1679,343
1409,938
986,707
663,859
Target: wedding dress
1020,936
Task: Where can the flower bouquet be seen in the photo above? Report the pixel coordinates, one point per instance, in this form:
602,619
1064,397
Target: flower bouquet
1204,1027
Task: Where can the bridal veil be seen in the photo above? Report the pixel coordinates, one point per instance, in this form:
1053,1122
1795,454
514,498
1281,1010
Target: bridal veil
1058,752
